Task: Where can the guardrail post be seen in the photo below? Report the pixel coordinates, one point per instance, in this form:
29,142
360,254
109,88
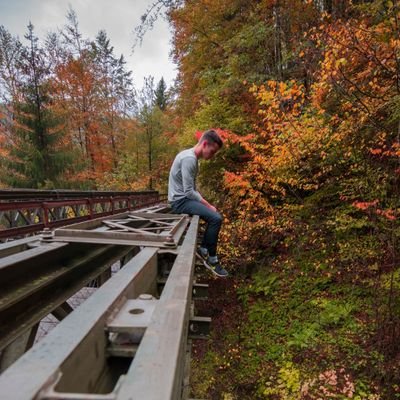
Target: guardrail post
90,204
45,214
112,205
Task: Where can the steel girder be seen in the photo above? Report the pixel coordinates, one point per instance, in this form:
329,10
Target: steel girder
125,342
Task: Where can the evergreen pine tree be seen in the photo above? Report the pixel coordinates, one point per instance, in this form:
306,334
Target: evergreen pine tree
161,95
37,157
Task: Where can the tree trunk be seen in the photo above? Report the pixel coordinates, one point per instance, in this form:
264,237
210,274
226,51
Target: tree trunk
278,39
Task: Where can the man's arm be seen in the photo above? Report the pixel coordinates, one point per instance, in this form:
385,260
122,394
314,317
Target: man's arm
189,169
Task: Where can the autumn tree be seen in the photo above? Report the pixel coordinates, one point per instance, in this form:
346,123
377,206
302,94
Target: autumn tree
150,142
76,94
116,92
95,90
152,124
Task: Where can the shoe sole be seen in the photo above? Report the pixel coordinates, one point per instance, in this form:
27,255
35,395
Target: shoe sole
199,255
208,266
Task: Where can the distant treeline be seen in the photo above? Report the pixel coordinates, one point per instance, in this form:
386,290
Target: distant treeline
70,116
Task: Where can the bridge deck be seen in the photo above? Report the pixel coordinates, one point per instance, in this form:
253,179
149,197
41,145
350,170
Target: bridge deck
128,340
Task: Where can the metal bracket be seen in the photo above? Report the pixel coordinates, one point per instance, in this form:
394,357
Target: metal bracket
199,327
200,291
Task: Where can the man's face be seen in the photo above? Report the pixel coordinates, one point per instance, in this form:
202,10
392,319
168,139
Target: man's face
209,150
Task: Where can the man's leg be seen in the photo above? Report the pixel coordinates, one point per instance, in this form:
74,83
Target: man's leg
212,218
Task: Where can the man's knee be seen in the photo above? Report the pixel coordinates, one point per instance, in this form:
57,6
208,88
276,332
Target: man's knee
216,218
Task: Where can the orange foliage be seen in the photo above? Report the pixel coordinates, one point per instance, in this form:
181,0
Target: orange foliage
77,95
308,137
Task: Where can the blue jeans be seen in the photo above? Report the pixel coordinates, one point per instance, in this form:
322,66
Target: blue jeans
212,218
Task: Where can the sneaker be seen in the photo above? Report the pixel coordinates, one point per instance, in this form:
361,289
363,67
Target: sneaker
216,269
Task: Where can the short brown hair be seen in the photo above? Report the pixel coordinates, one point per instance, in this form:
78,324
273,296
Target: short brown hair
211,136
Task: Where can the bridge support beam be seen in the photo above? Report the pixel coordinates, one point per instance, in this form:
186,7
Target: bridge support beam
17,348
85,356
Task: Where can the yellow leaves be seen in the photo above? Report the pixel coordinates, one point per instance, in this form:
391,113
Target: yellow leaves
340,62
395,43
282,88
253,88
279,97
289,133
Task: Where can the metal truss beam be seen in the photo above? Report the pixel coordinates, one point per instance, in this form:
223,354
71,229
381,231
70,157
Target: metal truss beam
138,228
21,215
125,342
37,281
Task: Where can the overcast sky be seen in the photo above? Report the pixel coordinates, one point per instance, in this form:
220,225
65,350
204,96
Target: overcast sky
117,17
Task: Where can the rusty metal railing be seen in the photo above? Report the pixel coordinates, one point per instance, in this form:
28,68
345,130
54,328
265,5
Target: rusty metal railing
24,212
56,194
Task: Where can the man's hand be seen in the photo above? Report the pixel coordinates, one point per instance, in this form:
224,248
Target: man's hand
208,205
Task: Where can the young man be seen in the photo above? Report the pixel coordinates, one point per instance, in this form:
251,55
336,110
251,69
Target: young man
185,199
